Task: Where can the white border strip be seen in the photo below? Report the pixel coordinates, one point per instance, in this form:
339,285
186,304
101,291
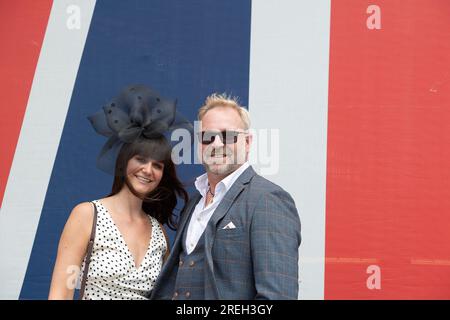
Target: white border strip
289,91
39,138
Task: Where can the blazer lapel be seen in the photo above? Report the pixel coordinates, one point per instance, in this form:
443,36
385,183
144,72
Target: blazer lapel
229,198
219,213
182,225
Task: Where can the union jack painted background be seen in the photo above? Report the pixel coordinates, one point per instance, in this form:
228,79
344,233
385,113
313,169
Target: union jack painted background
358,91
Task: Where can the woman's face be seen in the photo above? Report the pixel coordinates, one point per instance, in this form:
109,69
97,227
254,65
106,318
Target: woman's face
144,174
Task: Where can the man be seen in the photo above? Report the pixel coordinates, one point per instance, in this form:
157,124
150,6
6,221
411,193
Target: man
238,237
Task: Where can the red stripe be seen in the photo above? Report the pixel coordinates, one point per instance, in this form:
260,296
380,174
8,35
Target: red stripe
22,29
388,171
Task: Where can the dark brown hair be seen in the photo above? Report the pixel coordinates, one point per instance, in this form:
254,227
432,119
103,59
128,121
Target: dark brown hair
161,202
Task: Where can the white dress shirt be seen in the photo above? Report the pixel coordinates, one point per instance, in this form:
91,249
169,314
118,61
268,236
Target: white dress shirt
202,214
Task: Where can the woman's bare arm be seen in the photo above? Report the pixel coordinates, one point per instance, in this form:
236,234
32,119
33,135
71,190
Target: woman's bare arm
71,251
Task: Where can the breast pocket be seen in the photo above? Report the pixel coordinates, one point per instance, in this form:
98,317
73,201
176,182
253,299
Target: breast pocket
231,246
236,233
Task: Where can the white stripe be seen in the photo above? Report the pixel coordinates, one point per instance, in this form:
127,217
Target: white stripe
289,91
38,142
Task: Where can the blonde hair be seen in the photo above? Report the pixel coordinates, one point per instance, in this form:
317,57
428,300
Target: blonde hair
224,100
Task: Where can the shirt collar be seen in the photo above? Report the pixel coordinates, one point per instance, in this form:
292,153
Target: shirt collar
201,183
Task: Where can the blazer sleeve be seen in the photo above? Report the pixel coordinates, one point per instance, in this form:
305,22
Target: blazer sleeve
275,240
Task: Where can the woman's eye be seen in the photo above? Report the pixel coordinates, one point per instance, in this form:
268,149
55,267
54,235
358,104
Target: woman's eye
158,166
140,159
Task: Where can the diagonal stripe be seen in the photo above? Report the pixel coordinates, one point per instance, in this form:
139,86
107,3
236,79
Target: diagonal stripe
22,28
38,141
288,91
176,47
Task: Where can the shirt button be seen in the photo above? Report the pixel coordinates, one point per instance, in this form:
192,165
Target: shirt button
180,263
191,264
188,294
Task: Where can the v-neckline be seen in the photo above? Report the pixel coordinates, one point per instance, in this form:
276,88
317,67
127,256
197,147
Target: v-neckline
133,260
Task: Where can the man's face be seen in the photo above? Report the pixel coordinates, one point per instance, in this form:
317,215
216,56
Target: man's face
223,156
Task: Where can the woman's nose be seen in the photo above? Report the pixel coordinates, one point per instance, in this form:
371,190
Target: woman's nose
148,168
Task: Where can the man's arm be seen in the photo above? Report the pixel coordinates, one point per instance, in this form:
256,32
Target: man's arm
275,239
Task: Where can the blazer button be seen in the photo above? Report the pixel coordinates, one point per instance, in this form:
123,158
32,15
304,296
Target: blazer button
175,295
191,264
180,263
188,294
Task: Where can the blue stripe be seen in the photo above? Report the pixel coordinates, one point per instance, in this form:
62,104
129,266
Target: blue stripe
183,49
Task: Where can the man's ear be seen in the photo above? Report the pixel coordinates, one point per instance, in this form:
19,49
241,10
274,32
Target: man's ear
248,142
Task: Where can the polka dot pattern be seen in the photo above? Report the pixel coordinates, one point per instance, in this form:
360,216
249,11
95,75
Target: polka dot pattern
112,272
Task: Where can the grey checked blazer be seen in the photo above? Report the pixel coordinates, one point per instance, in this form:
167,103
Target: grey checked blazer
256,260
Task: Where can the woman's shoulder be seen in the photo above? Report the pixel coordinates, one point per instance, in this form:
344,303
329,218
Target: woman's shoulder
83,209
79,224
82,214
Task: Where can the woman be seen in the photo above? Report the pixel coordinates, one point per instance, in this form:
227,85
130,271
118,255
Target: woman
130,242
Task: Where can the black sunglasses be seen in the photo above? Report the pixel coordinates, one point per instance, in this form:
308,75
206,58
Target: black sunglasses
227,136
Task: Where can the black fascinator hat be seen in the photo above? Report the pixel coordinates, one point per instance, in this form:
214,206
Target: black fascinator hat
137,112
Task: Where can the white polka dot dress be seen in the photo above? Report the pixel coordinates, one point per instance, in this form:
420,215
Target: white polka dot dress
112,272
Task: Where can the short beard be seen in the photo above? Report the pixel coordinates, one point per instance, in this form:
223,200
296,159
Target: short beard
225,167
222,169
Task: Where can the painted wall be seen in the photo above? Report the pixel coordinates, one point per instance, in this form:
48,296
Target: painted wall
350,103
